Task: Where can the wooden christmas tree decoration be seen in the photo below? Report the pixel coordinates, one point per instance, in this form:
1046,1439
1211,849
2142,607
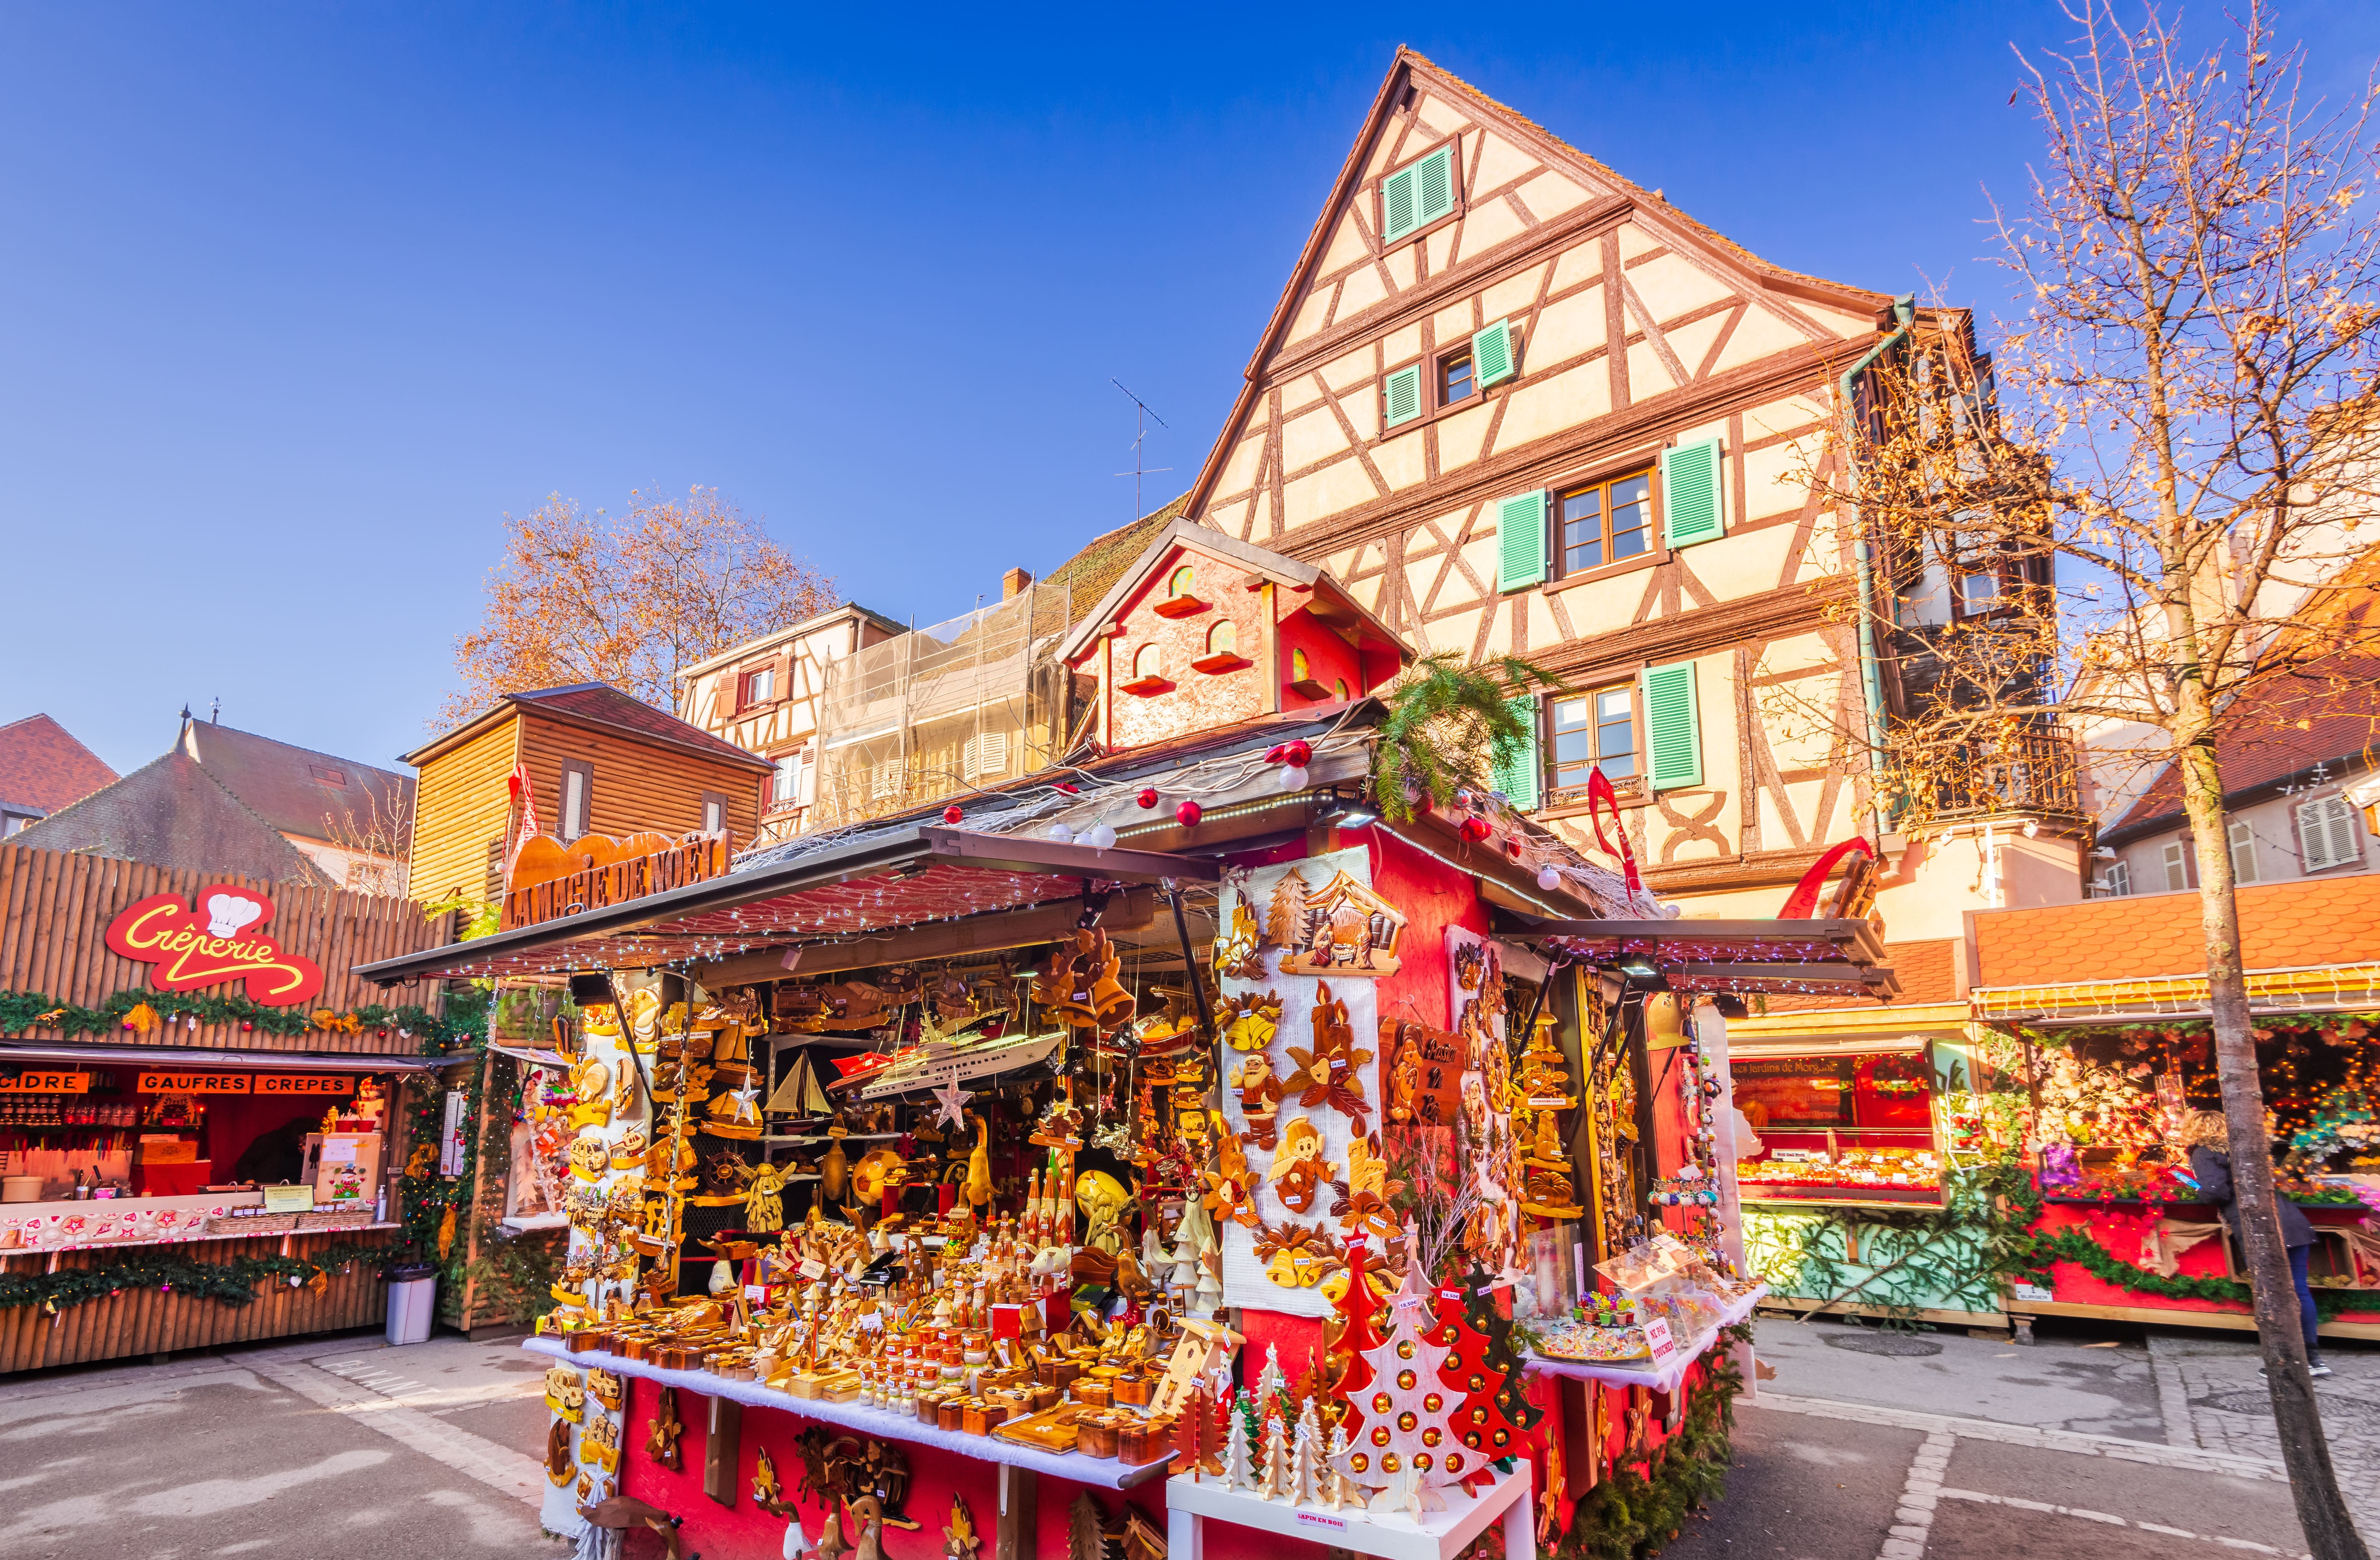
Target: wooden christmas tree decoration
1084,1540
1237,1474
1199,1436
1478,1307
1275,1483
1405,1440
1305,1459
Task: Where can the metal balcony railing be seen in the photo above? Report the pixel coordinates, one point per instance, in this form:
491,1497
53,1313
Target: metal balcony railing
2032,773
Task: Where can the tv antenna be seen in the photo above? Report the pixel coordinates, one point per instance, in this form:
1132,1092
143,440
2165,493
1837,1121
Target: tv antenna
1139,434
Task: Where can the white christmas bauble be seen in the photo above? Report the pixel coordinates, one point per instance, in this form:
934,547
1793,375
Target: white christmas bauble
1098,837
1292,776
1547,877
1061,834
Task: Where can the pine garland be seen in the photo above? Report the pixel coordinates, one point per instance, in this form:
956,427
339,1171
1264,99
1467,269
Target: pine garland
21,1010
234,1283
1443,719
1627,1515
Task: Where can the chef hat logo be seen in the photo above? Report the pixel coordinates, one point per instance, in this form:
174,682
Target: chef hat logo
228,915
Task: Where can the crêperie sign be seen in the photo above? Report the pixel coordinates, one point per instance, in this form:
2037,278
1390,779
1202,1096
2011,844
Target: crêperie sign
218,941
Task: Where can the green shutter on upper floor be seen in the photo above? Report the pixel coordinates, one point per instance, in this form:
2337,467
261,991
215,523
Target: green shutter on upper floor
1691,491
1673,735
1436,174
1398,208
1518,779
1519,541
1400,396
1491,354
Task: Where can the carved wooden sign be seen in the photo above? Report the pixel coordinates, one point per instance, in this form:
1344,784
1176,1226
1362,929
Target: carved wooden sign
693,861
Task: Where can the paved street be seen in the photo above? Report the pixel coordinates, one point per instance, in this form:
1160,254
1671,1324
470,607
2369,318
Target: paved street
1862,1447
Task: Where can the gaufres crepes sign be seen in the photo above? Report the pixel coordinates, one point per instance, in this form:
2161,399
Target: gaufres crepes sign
220,941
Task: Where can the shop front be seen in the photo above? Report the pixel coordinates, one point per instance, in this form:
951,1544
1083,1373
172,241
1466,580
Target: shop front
1172,1119
199,1139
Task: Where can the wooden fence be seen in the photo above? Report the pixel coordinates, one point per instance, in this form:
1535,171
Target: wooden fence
55,906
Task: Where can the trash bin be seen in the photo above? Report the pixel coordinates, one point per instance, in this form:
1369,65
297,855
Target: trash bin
412,1302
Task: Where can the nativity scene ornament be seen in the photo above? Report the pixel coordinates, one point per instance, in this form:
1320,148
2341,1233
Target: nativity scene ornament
1343,928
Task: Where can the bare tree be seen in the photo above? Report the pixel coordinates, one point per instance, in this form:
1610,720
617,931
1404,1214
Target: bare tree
628,601
2182,422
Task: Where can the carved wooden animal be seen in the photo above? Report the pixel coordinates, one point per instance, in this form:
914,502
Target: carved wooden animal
626,1511
867,1515
831,1544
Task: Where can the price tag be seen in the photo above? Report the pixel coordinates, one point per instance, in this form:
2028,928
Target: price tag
288,1199
757,1292
813,1269
1658,1339
2033,1291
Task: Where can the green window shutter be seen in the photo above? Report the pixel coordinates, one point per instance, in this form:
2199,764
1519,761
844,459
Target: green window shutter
1518,779
1672,726
1400,396
1520,540
1491,354
1435,175
1399,213
1689,494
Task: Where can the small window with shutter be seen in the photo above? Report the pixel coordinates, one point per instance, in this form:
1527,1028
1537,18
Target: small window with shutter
1417,195
2244,851
2329,834
715,813
1673,735
2181,866
1520,540
1400,396
1691,494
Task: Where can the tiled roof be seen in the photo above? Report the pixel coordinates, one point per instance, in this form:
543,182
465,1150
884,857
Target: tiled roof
171,812
1929,973
2282,927
604,705
298,791
42,766
1089,573
2329,711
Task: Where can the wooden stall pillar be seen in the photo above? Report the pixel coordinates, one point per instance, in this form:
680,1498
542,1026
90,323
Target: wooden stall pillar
722,1449
1020,1514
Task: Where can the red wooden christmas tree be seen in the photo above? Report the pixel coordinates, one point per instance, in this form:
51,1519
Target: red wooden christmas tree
1401,1434
1469,1328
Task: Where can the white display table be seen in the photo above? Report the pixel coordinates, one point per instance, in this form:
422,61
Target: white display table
1440,1535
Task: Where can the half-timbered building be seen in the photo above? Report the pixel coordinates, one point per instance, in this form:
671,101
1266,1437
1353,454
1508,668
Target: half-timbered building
1521,405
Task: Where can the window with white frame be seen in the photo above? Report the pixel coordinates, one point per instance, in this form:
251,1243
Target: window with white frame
2329,834
785,786
2244,850
983,756
2117,881
2181,866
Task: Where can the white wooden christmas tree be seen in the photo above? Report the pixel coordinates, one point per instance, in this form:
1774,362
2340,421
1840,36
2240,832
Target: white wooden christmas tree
1237,1473
1404,1437
1270,1383
1306,1459
1275,1485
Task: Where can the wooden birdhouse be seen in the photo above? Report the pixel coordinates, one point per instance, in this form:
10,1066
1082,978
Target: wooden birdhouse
1204,632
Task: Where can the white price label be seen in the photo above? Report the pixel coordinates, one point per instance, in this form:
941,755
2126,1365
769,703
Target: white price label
813,1269
1657,1337
757,1292
2032,1292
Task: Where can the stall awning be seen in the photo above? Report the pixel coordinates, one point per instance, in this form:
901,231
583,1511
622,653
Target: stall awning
2321,988
891,880
1833,957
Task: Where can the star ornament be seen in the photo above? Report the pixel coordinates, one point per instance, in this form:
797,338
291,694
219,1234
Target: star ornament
952,1099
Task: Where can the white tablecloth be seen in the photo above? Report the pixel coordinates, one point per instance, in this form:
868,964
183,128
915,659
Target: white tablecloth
1663,1377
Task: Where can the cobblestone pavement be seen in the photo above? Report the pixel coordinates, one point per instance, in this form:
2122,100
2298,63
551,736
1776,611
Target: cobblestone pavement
2212,1397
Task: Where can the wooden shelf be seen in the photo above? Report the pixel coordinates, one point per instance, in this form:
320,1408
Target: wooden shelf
1145,687
1180,607
1216,665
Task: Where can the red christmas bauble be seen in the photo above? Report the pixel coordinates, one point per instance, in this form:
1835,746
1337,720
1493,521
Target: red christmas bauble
1297,752
1475,830
1189,814
952,815
1148,797
1512,848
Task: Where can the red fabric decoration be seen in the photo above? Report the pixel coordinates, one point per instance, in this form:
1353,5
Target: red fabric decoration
1600,798
1803,902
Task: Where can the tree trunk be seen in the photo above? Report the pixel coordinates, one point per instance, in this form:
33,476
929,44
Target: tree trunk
2322,1511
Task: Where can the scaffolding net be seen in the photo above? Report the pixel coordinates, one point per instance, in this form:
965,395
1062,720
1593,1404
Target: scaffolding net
938,712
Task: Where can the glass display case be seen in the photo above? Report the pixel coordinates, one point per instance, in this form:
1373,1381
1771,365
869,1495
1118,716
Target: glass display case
1841,1126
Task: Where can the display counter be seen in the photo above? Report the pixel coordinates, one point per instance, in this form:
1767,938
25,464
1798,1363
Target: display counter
1661,1376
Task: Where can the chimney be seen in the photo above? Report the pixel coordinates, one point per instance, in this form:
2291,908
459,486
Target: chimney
1012,584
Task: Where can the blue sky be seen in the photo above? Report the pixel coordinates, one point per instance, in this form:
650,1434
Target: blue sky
297,302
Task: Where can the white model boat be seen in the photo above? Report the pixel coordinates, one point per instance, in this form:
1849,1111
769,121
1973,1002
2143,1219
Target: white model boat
939,1063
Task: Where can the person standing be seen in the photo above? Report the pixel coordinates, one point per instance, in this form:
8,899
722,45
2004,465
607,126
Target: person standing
2210,1165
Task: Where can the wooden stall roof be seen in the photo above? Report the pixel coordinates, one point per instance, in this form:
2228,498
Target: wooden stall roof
1744,955
55,908
884,880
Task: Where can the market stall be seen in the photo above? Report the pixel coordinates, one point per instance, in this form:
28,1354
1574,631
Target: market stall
2117,1226
1862,1182
1176,1111
200,1138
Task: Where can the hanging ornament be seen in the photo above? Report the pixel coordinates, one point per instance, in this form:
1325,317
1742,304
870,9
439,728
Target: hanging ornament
1298,755
1189,814
1100,836
1512,847
1148,797
1061,834
1549,876
952,815
1475,830
1293,778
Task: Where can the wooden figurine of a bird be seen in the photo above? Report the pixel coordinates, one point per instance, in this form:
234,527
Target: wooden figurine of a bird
868,1515
831,1544
626,1511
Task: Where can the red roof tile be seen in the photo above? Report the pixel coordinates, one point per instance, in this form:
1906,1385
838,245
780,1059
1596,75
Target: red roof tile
42,766
2282,927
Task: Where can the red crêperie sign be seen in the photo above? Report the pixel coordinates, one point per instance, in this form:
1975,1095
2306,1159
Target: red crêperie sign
217,942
